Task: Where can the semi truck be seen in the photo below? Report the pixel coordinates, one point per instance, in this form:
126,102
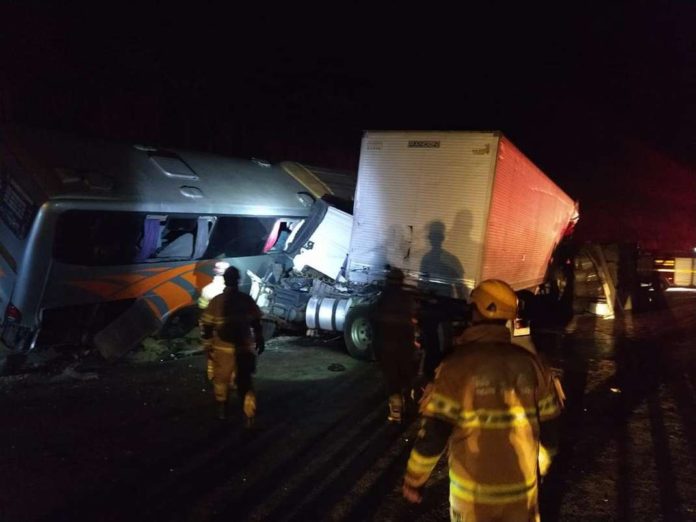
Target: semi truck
449,209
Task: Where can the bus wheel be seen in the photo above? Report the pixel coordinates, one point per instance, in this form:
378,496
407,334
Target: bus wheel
357,333
180,323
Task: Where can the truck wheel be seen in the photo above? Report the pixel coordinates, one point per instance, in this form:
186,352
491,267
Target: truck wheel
268,328
357,333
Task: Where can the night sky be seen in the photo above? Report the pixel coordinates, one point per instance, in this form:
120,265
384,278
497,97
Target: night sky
602,99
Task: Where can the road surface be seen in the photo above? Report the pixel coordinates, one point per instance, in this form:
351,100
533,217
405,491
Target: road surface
139,441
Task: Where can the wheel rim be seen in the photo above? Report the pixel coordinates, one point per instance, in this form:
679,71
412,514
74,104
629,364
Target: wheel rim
361,333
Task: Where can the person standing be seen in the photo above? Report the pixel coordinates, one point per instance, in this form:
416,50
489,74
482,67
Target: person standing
393,321
232,335
209,291
495,405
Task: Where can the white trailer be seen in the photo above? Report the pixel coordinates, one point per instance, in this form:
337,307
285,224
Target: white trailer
453,209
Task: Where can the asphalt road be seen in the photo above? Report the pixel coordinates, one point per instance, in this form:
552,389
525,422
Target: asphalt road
139,441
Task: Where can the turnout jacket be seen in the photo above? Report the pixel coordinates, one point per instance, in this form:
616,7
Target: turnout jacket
489,402
229,319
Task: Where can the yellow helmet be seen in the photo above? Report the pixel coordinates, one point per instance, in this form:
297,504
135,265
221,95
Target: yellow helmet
495,299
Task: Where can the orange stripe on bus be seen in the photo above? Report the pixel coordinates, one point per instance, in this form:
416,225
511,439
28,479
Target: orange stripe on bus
141,287
137,284
173,295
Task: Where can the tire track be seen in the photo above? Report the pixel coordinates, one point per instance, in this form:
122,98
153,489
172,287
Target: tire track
198,468
230,481
304,485
370,490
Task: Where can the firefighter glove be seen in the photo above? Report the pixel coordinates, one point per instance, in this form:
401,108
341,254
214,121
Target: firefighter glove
545,459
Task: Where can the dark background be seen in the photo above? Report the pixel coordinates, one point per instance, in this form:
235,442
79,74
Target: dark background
601,98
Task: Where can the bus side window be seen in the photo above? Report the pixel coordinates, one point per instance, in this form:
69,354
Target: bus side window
97,238
174,237
239,236
280,234
177,238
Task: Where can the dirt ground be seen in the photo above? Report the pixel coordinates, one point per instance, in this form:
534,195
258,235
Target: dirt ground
138,440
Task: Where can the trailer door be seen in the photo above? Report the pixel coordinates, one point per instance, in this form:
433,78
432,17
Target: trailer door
421,204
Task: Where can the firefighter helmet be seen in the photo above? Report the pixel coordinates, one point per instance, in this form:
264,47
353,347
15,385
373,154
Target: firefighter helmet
231,276
495,299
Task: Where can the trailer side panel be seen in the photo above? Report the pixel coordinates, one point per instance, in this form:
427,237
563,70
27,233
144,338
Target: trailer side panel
528,215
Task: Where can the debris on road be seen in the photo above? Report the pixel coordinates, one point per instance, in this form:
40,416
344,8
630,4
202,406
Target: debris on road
70,372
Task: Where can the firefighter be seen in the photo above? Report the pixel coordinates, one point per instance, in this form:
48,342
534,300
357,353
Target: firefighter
215,287
226,329
393,321
495,404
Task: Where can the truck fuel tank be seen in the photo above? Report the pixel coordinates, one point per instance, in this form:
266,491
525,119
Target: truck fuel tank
327,313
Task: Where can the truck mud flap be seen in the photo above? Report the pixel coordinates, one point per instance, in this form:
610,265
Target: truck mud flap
127,330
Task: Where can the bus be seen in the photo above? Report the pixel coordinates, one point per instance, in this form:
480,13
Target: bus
106,243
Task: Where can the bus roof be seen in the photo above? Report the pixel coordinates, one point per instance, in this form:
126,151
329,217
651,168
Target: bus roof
65,168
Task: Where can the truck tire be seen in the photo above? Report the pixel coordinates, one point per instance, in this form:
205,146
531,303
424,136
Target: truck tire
357,333
268,328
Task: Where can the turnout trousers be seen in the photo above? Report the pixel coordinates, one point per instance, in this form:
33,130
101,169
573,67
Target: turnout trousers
230,364
223,363
513,512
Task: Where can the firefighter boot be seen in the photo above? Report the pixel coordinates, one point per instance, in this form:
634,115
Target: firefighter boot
221,409
396,406
249,409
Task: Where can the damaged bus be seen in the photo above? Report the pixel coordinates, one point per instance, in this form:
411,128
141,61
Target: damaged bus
104,243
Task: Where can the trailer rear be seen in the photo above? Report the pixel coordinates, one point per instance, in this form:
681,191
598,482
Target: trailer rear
452,209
